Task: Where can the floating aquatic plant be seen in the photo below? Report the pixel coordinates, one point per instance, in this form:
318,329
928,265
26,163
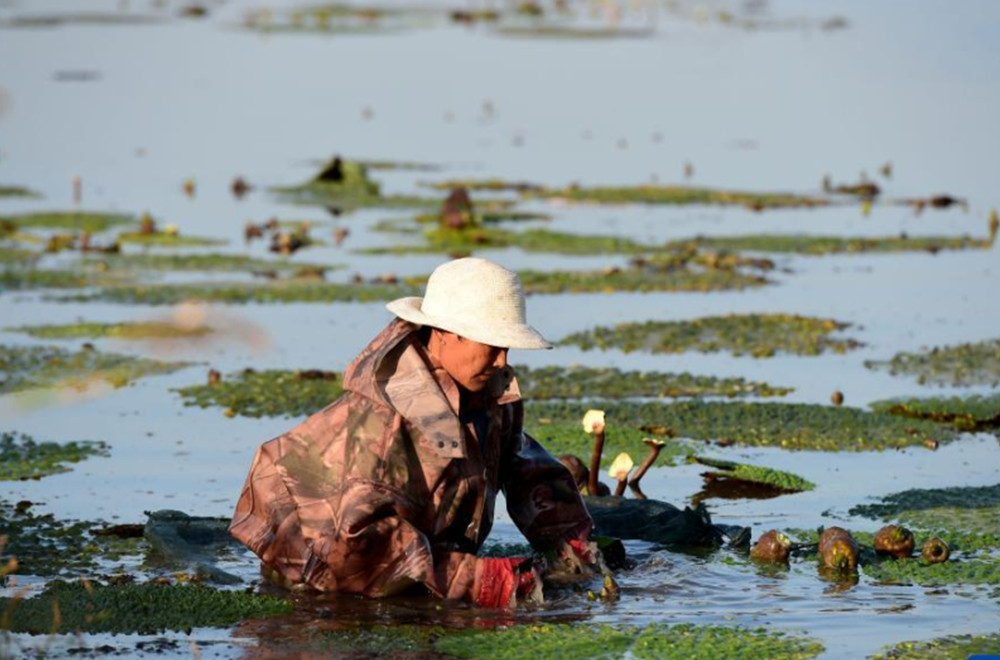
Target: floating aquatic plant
766,424
135,330
821,245
972,413
267,393
577,382
345,185
757,474
15,257
23,458
146,608
961,365
638,279
17,191
71,220
28,279
952,647
31,367
759,335
982,570
666,194
478,238
562,437
166,239
202,263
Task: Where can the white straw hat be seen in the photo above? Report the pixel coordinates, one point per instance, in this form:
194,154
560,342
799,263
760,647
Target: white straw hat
474,298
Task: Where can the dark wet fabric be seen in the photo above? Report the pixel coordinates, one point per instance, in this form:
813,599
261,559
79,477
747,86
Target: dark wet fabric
386,488
657,522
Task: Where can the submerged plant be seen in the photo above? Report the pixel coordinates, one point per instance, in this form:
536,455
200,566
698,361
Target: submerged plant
758,335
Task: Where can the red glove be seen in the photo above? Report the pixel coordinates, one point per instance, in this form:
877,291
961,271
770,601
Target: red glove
505,581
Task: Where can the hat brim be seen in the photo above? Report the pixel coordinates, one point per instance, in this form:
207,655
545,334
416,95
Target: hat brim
514,335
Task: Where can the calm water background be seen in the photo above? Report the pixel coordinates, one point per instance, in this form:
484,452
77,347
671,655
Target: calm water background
768,109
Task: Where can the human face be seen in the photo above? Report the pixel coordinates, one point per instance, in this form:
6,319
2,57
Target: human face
468,362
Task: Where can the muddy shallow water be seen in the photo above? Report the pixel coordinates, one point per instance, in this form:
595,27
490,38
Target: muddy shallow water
761,109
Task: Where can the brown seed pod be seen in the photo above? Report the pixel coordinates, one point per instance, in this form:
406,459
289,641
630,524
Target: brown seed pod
895,541
771,546
935,551
838,549
837,398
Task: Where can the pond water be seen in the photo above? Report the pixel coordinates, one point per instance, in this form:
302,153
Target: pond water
136,108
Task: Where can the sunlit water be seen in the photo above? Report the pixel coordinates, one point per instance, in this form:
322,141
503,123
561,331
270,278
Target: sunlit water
750,109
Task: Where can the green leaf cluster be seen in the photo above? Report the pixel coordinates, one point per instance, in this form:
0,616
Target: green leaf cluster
758,474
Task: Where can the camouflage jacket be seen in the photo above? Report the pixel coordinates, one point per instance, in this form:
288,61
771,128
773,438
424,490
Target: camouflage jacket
386,488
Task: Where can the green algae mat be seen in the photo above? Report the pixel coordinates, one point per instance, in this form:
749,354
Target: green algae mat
952,647
758,335
822,245
134,608
756,474
970,414
580,641
575,382
138,330
23,458
45,546
764,424
70,220
271,393
32,367
961,365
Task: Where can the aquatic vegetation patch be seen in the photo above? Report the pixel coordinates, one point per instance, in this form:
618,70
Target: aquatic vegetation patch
165,239
490,185
971,414
476,238
758,335
822,245
31,367
558,31
26,280
765,424
272,393
757,474
146,608
202,263
952,647
918,499
70,220
45,546
960,365
14,257
281,291
974,571
614,279
666,194
566,437
135,330
660,641
345,185
575,382
23,458
17,191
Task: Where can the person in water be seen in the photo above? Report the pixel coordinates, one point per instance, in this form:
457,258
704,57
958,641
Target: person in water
392,486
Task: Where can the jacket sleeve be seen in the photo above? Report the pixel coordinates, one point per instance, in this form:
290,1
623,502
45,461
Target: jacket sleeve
542,497
349,535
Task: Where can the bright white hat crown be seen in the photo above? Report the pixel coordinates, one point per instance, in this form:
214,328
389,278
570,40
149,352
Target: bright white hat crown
477,299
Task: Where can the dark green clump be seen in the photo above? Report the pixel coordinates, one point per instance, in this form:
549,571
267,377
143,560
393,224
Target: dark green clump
476,238
45,546
758,474
786,425
759,335
954,647
267,393
70,220
17,191
566,437
917,499
663,194
29,367
283,291
136,608
961,365
971,414
345,185
976,571
24,280
201,263
968,518
821,245
23,458
611,280
577,382
137,330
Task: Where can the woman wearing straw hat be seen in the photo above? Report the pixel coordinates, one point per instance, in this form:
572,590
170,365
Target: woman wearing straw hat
392,486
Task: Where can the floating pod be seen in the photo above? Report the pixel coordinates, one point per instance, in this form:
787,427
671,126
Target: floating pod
772,546
935,551
838,549
895,541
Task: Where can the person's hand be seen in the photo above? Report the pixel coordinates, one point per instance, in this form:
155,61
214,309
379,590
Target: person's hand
576,560
507,581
